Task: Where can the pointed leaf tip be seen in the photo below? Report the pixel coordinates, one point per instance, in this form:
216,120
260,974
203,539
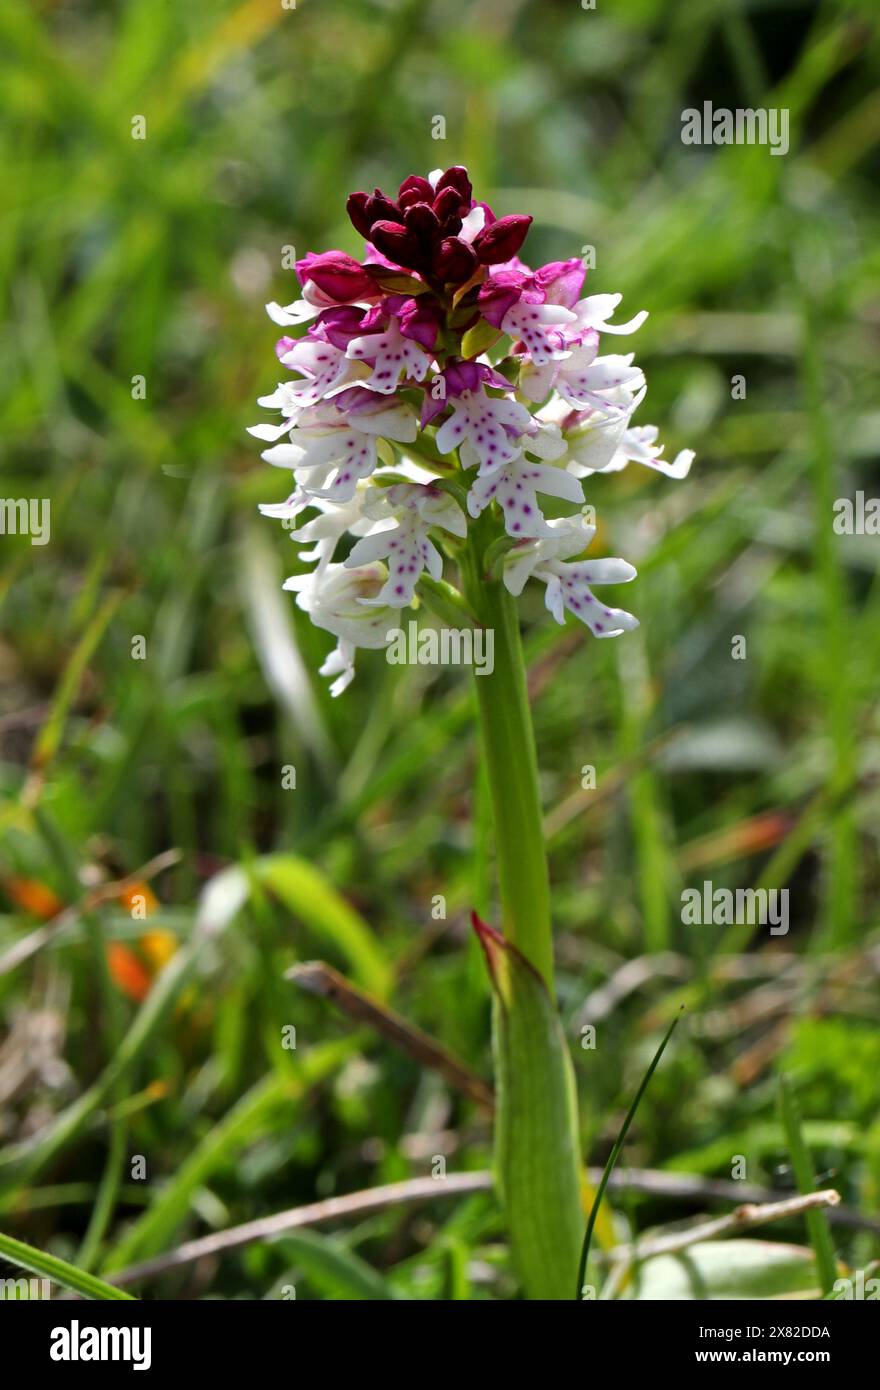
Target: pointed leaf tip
491,940
484,931
504,960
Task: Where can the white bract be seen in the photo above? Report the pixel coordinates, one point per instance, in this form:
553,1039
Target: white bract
585,380
639,445
537,325
334,520
596,310
324,368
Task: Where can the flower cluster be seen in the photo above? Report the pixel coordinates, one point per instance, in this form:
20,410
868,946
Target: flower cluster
436,379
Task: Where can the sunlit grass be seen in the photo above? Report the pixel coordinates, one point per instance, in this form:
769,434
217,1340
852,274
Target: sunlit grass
124,259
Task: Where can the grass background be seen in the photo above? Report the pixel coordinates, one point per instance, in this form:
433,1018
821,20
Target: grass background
124,258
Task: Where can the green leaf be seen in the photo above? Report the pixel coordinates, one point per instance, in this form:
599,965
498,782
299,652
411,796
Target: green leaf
396,281
802,1165
536,1131
727,1269
58,1271
479,338
334,1271
50,735
307,893
275,640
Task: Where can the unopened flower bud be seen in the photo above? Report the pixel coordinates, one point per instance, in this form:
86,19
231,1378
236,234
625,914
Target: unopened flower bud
457,177
338,277
356,208
398,243
454,261
502,239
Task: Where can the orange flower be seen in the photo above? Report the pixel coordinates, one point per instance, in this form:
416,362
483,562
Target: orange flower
139,899
134,970
33,897
128,971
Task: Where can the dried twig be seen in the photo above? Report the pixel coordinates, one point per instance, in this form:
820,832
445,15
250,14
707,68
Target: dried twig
319,978
354,1204
629,978
740,1219
693,1187
357,1204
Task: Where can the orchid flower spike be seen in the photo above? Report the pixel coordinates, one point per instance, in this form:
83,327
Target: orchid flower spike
436,384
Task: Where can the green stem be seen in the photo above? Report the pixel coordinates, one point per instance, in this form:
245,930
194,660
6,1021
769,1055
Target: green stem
509,748
536,1136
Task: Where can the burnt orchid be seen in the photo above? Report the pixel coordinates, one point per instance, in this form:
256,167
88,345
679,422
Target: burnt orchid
393,390
441,391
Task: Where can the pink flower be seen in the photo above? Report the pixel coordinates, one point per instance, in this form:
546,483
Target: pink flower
339,325
454,261
535,307
399,244
459,377
440,296
419,319
561,281
420,230
501,291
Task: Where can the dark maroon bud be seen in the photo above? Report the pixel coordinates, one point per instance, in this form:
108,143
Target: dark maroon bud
451,226
457,178
502,239
422,220
337,276
415,185
447,204
381,209
454,261
398,243
356,208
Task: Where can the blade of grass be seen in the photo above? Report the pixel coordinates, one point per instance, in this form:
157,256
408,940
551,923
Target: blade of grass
802,1167
51,733
652,863
334,1271
304,890
242,1125
615,1152
58,1271
843,864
